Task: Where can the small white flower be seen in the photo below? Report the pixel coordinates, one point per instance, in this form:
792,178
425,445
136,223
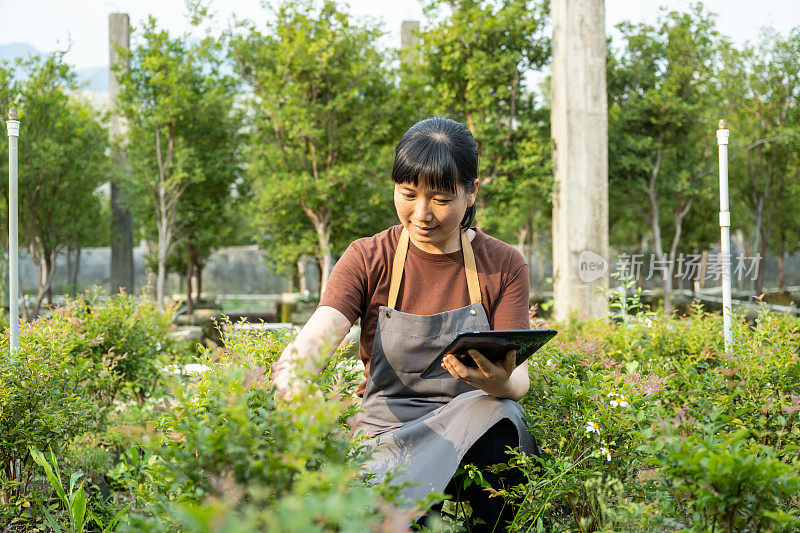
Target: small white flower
158,345
592,427
604,451
619,402
549,362
612,394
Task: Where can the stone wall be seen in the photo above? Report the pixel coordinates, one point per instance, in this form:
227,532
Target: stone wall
231,270
243,270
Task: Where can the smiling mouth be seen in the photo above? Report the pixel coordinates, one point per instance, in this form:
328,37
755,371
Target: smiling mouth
424,229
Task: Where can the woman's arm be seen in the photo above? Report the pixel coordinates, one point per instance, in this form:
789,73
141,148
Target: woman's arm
501,380
519,383
312,348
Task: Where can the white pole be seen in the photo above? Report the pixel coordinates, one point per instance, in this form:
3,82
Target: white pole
13,237
725,233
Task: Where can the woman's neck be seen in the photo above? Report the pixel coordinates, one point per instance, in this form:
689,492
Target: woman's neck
452,244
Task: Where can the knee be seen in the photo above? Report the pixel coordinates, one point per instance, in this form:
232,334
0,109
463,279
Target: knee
492,447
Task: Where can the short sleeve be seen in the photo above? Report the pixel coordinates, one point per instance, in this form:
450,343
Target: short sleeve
347,284
512,311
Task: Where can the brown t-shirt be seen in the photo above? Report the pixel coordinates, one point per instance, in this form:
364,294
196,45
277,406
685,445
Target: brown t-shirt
432,283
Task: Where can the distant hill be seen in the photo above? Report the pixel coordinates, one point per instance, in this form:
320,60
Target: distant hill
9,52
92,79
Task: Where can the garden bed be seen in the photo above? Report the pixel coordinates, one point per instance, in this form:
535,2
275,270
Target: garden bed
644,423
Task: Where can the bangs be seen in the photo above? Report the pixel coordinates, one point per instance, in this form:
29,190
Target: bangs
426,160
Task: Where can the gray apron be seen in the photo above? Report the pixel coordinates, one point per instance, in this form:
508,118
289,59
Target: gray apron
426,426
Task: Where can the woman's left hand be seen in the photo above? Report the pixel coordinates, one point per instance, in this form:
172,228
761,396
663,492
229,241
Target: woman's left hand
492,378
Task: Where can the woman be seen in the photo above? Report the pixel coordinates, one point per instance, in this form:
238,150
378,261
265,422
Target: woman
415,286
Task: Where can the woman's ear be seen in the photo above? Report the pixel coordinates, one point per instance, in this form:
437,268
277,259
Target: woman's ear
474,194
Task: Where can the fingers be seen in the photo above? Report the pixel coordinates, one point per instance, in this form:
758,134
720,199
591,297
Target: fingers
456,368
484,365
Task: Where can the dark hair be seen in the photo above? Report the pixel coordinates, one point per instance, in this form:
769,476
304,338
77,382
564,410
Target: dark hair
442,153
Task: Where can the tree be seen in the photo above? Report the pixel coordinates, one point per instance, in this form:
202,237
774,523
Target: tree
661,95
179,139
474,58
62,162
324,123
763,87
208,213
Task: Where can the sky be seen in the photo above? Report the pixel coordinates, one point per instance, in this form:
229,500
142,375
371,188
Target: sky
51,25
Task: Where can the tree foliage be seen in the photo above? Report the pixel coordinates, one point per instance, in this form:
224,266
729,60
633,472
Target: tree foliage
62,163
661,105
475,57
324,121
181,141
762,89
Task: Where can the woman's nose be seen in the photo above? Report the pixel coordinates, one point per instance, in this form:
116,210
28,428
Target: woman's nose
422,211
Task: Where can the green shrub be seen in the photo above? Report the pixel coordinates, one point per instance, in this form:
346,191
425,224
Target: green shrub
720,482
44,402
228,457
129,340
62,382
673,374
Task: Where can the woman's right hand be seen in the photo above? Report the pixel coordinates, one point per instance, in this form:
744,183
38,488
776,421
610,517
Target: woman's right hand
318,339
282,376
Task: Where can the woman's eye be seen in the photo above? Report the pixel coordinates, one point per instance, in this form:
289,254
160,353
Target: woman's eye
442,200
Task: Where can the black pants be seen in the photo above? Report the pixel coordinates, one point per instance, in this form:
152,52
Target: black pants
488,450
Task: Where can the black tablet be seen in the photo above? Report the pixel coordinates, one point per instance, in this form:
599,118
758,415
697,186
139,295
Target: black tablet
494,345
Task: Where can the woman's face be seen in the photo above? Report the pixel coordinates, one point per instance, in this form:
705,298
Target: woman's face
432,217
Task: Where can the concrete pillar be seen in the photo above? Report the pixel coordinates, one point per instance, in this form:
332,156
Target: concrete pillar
409,40
122,221
579,125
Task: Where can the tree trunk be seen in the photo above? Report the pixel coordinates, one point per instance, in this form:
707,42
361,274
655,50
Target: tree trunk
780,259
758,201
703,265
655,227
198,272
318,260
51,260
70,289
673,252
189,275
44,270
321,222
326,266
302,275
164,233
522,236
167,199
148,249
743,246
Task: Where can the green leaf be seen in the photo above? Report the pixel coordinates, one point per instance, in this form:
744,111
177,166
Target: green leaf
72,479
78,510
52,522
55,480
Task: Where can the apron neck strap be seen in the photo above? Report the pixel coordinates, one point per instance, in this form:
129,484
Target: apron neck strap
398,265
